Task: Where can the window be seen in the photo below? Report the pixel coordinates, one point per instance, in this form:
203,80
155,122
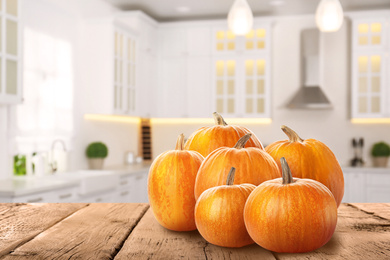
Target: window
47,110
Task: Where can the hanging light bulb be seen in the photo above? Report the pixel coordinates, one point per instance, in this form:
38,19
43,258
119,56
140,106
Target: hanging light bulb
240,18
329,15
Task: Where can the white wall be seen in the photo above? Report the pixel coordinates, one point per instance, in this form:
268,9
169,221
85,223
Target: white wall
332,127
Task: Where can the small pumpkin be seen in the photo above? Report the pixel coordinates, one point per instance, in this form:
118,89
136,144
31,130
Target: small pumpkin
219,214
254,166
171,184
207,139
290,215
310,159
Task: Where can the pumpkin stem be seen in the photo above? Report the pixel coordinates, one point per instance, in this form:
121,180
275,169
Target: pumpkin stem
242,141
180,142
219,119
286,172
292,135
230,178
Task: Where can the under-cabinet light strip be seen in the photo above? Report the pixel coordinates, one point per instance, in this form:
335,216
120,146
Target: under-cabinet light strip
370,120
113,118
210,121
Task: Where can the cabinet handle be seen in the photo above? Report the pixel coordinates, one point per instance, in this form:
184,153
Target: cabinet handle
138,177
124,182
35,200
64,196
124,193
98,199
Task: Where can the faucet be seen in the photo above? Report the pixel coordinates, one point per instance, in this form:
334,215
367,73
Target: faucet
53,164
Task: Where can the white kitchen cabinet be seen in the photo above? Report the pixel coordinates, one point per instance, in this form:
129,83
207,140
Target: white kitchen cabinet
173,42
10,52
199,96
111,60
242,72
199,41
173,73
370,66
367,185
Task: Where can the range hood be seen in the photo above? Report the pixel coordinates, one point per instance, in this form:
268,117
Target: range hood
310,95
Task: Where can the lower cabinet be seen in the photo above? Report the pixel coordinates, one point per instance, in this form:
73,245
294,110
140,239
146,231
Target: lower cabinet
132,188
366,185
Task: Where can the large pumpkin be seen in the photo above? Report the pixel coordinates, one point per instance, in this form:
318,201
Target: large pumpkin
253,165
287,215
219,214
171,184
207,139
310,159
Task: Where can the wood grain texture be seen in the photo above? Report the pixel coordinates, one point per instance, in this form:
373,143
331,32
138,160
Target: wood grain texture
358,235
149,240
94,232
20,223
381,210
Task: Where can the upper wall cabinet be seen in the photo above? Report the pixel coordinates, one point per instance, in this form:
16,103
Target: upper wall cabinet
241,75
370,67
10,53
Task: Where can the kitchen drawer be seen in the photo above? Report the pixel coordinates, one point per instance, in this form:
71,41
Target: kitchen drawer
378,179
378,195
122,196
42,197
99,198
64,195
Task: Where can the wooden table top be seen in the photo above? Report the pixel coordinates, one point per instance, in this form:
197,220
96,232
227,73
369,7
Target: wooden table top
129,231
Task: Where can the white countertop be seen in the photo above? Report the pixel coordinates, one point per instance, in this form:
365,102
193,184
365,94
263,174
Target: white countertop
24,185
368,170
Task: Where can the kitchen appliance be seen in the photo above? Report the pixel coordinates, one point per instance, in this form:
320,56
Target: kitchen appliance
310,95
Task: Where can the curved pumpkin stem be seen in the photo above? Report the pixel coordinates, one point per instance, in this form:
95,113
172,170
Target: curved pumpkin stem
292,135
286,172
230,178
242,141
180,142
219,119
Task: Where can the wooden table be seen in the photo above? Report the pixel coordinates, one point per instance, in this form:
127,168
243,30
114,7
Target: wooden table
129,231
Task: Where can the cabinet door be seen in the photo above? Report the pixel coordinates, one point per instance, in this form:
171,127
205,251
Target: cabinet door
355,187
369,33
146,85
368,84
173,88
199,41
173,42
255,98
199,87
139,191
226,81
10,54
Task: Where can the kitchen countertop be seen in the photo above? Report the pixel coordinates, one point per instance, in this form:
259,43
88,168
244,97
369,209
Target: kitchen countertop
25,185
366,169
129,231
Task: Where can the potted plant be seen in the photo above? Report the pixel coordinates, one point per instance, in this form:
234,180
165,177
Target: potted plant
96,152
380,153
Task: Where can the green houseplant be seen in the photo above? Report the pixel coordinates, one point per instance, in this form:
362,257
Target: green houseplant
96,152
380,152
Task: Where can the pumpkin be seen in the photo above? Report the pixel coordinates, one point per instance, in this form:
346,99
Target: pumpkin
310,159
254,166
207,139
171,184
219,214
290,215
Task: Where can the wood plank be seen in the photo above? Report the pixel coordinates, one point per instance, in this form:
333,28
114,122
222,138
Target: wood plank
20,223
150,240
358,235
381,210
94,232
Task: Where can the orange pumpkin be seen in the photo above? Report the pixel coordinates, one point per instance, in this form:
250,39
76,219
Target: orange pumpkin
219,214
171,184
254,166
207,139
310,159
289,215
